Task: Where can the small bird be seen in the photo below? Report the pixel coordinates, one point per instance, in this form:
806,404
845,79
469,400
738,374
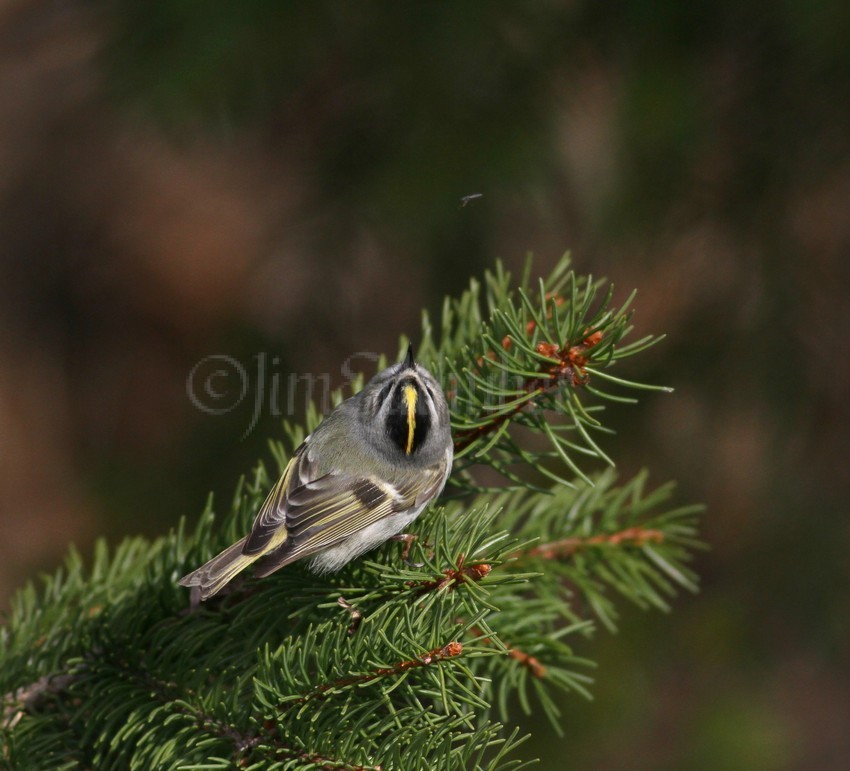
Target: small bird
360,478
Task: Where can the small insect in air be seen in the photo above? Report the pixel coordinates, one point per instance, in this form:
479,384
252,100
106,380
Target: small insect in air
471,197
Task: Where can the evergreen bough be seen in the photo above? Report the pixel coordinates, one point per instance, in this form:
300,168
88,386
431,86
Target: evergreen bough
387,664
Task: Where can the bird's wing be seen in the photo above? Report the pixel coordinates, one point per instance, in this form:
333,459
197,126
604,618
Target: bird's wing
314,513
269,528
329,510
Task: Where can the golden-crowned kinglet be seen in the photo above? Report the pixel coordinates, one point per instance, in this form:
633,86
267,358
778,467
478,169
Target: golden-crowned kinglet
361,477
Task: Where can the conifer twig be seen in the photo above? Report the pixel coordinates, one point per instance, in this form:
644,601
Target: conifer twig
448,651
27,698
532,664
453,576
568,366
566,547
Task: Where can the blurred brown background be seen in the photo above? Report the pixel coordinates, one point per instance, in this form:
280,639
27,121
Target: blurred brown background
179,180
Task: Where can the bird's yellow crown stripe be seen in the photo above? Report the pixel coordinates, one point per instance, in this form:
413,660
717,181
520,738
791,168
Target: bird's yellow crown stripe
410,397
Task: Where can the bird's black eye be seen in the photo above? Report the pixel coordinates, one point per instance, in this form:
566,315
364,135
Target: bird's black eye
385,392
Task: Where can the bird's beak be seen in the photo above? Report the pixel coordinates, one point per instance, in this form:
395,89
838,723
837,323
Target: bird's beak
408,360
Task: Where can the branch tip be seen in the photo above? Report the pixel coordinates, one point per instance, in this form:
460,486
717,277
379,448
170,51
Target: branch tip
454,577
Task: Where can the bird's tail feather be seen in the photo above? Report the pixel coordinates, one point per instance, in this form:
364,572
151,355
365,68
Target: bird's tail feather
220,570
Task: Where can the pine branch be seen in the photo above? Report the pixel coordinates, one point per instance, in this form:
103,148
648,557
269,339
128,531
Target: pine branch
390,663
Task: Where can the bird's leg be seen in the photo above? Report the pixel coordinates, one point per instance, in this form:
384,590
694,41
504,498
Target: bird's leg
194,602
356,615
